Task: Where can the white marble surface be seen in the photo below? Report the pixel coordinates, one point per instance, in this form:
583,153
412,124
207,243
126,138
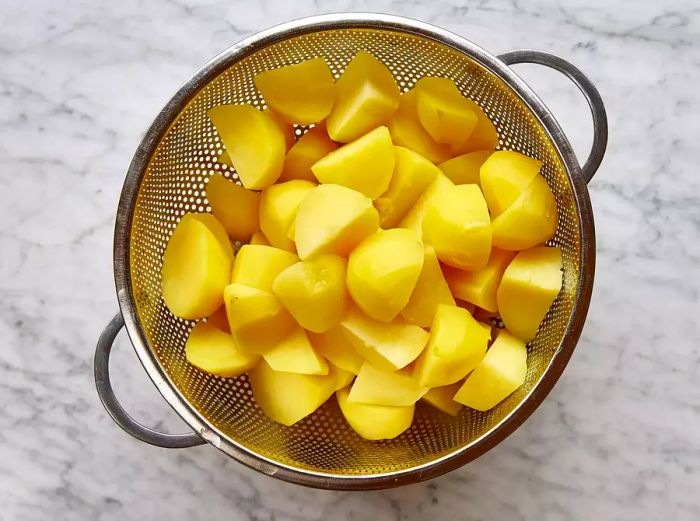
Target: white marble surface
619,437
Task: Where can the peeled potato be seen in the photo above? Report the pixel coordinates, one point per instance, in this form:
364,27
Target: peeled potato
391,346
441,398
530,284
413,220
504,177
367,96
259,239
484,136
457,344
257,266
412,176
380,387
196,266
479,286
302,93
335,346
383,270
314,292
499,373
365,164
333,219
214,351
294,354
235,207
254,143
219,320
465,169
278,209
311,147
442,110
458,226
375,422
431,290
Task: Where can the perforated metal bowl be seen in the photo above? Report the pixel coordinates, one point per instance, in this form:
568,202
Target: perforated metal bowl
167,178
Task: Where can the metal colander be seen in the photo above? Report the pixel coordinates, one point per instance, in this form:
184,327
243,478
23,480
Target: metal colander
168,176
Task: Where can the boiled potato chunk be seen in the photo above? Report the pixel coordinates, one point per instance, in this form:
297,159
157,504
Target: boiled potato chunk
310,148
413,220
288,397
219,320
465,169
213,351
441,398
257,266
302,93
412,176
531,220
457,344
343,378
431,290
314,291
367,96
254,143
259,239
333,219
286,128
504,177
196,266
442,110
406,131
530,284
499,373
479,286
257,318
294,354
375,422
458,226
380,387
365,164
484,136
383,271
278,209
389,346
335,346
235,207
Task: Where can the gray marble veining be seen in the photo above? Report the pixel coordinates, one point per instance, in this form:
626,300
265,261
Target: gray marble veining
619,437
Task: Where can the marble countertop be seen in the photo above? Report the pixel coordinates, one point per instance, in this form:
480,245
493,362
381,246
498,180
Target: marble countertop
618,438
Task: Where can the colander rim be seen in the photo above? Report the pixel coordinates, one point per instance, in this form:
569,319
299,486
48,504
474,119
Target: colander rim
137,170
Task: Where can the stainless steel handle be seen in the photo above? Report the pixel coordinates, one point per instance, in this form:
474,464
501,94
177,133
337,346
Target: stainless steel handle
114,408
595,102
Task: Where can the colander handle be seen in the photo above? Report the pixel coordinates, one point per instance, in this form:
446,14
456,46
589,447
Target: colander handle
595,102
114,408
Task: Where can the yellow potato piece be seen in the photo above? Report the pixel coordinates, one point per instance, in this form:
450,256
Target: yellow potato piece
380,387
442,110
375,422
333,219
335,346
406,131
431,290
213,351
365,164
219,320
257,266
531,220
389,346
278,209
413,174
505,175
367,96
294,354
302,93
530,284
254,143
413,220
196,266
441,398
343,378
235,207
484,136
479,286
500,372
257,318
383,271
288,397
314,292
310,148
457,344
287,128
465,169
259,239
458,226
